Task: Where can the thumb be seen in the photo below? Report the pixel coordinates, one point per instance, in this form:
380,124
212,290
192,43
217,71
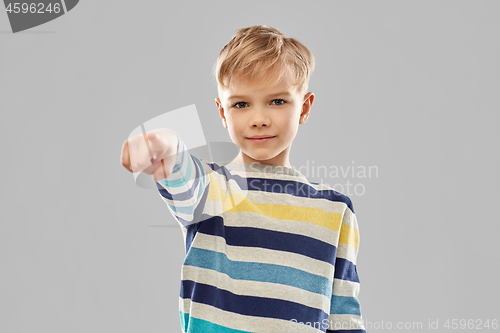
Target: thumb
152,136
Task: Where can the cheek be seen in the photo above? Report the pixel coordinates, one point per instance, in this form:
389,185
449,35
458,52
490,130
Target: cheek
233,127
290,128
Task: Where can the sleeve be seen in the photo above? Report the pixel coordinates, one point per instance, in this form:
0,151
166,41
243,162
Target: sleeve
185,189
345,309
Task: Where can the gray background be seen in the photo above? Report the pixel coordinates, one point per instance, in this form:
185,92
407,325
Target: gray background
410,87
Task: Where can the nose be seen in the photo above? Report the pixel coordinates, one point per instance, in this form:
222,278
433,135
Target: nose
259,118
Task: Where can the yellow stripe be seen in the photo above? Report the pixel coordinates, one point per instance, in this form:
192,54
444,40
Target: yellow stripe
349,236
317,216
217,193
214,191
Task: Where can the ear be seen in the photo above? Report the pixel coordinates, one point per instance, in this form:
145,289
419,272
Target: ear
306,107
221,111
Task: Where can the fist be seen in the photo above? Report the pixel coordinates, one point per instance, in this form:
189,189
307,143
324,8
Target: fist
152,152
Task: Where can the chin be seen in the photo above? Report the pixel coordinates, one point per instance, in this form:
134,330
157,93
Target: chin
261,157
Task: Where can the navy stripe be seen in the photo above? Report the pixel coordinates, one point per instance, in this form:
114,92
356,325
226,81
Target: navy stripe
223,171
198,217
198,211
345,270
191,231
270,239
249,305
294,188
345,331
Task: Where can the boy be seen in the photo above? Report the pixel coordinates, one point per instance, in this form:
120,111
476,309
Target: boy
266,250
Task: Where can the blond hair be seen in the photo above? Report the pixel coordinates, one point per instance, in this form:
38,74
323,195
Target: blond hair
263,53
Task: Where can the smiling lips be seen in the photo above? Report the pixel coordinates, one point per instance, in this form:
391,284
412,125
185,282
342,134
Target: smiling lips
260,138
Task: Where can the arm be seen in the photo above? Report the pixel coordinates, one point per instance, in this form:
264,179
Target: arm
345,309
185,189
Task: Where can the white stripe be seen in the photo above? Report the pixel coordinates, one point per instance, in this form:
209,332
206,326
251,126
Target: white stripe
347,252
262,255
262,197
186,203
345,288
186,217
349,219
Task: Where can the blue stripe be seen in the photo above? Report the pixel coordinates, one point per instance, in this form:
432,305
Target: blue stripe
184,321
345,331
280,186
249,305
345,305
270,239
346,270
195,325
199,183
181,181
262,272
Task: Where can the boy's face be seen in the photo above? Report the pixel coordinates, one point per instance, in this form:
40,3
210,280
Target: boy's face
247,110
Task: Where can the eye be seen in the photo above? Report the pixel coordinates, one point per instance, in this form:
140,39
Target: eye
280,102
279,99
239,103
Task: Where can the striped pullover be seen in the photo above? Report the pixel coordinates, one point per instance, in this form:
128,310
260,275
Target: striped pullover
266,250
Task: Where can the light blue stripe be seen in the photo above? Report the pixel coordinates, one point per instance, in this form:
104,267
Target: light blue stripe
345,305
189,210
181,181
184,320
262,272
196,325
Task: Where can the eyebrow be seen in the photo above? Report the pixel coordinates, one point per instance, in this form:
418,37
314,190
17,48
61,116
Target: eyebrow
280,93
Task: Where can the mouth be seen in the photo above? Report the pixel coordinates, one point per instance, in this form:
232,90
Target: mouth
261,139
